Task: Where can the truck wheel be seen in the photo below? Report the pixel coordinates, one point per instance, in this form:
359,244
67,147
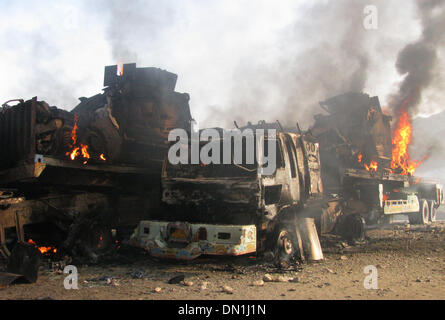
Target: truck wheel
433,211
424,212
353,229
285,246
413,218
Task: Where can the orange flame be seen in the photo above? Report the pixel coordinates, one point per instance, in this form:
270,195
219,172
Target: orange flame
43,250
401,140
73,155
74,132
120,69
81,150
373,166
85,153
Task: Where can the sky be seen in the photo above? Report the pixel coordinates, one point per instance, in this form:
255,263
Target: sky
238,59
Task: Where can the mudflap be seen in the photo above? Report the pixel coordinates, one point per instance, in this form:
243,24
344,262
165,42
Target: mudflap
309,239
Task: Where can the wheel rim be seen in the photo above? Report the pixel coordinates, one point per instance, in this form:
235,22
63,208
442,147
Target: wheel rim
425,213
285,243
433,214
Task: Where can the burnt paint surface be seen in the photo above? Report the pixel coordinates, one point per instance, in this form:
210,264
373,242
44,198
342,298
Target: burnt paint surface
191,193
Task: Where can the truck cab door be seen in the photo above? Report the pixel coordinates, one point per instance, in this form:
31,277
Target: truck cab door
292,176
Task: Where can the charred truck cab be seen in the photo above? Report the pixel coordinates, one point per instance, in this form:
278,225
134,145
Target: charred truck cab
234,209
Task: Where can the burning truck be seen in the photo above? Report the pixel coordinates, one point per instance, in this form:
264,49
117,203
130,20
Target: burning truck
344,172
84,181
233,208
80,181
367,166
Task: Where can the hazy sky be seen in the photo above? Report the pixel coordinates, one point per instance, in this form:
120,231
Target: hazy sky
227,54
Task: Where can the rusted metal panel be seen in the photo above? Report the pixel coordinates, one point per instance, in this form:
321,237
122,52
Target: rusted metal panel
21,214
17,133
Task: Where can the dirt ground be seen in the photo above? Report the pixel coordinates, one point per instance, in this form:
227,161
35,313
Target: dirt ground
410,262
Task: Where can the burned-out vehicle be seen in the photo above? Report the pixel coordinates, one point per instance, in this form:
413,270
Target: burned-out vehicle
365,164
83,181
342,174
67,179
235,209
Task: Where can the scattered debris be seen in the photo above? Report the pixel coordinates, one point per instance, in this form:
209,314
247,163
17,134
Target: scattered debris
258,283
138,274
268,278
330,271
188,283
281,279
204,285
177,279
227,289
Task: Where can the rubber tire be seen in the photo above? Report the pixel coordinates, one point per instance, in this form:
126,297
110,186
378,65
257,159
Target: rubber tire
286,246
353,229
413,218
432,217
424,212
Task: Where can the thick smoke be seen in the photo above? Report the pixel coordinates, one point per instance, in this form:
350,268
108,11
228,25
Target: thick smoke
131,23
418,61
274,72
323,54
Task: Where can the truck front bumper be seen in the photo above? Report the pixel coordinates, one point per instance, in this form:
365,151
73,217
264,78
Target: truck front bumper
185,241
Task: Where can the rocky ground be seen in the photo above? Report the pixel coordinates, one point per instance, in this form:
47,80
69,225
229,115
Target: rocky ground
410,262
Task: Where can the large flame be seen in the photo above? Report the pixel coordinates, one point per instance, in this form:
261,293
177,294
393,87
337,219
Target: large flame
401,162
79,150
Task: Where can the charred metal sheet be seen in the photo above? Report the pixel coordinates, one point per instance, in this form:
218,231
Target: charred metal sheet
19,213
309,238
17,133
113,75
354,134
48,161
25,261
206,200
131,121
